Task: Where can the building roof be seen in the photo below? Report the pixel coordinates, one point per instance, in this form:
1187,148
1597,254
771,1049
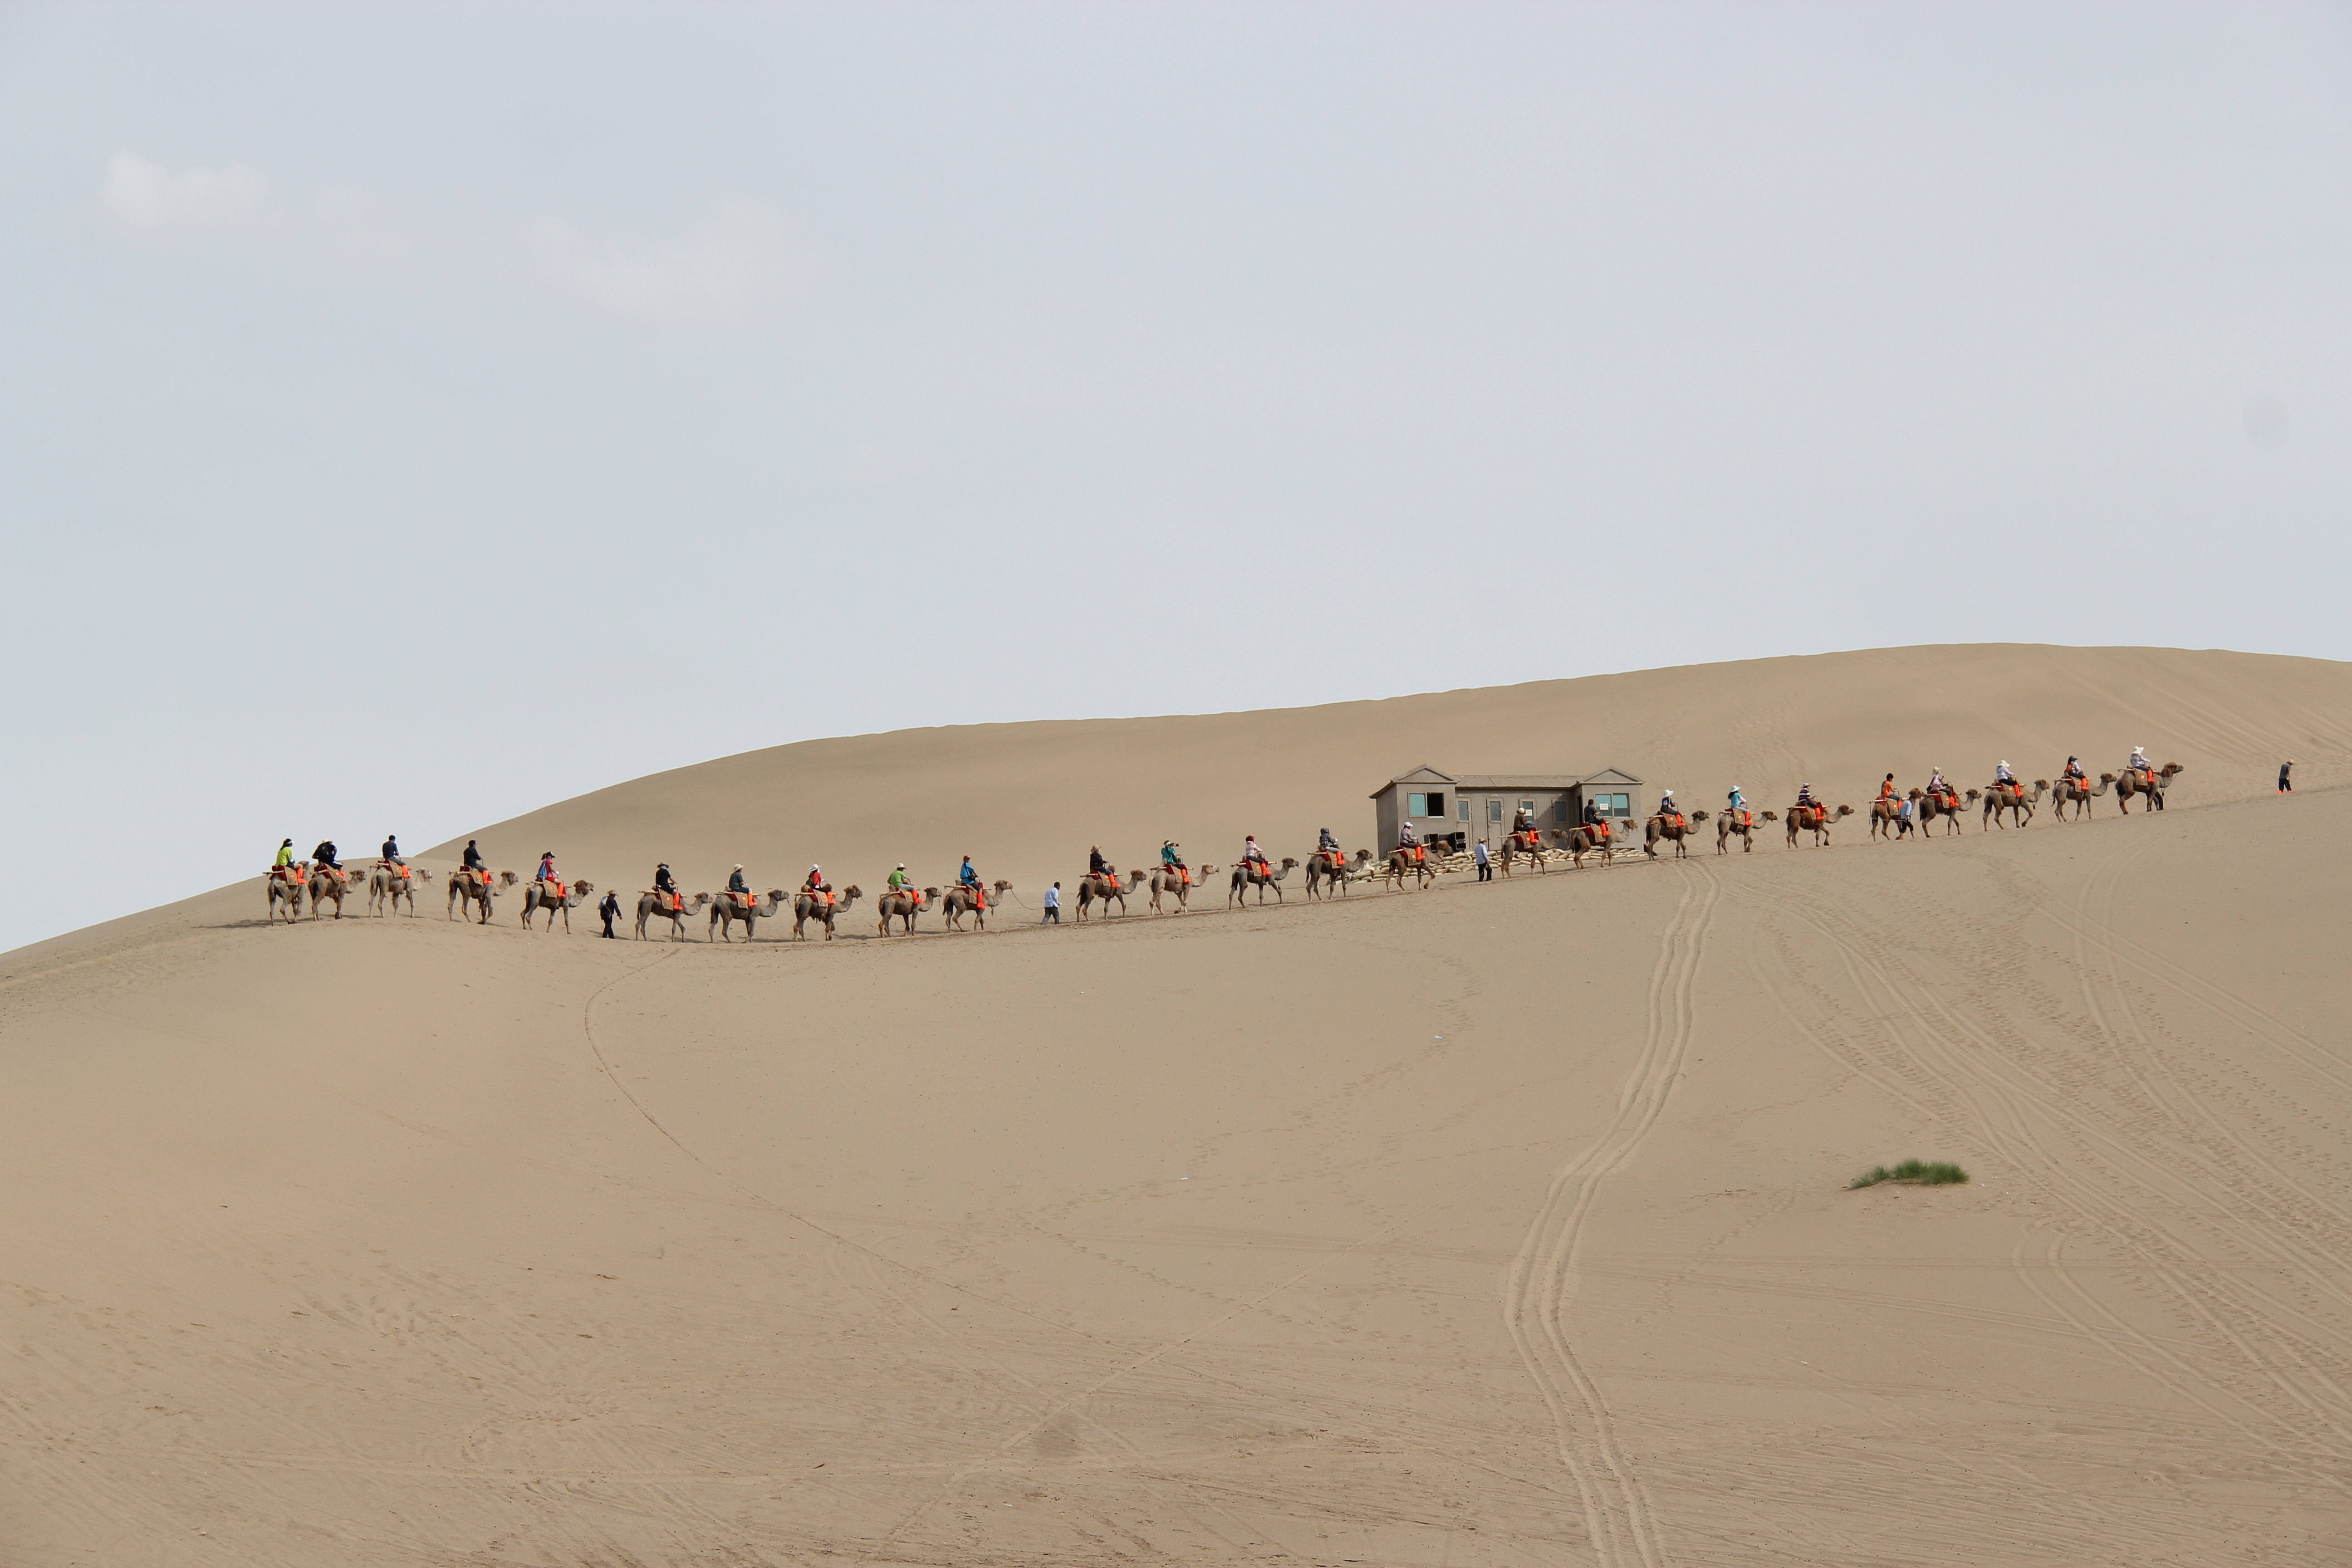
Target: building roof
1427,774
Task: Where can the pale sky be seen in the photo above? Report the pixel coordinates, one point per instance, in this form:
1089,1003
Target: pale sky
411,416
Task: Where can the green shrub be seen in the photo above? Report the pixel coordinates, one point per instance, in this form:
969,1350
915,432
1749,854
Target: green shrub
1919,1172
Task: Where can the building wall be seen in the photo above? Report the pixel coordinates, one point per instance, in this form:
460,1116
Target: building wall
1388,809
1492,810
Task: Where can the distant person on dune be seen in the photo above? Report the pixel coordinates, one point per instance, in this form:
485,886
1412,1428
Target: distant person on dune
610,909
1053,905
2286,784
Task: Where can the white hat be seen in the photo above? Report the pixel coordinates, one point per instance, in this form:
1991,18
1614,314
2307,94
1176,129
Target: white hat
739,865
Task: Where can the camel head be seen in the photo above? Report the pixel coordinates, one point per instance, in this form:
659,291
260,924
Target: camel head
1771,816
1363,856
1287,862
2040,784
507,879
2169,769
1000,887
1973,795
2106,779
1845,811
851,893
583,886
775,895
1698,816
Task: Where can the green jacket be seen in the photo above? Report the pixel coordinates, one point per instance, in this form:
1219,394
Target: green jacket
901,881
285,855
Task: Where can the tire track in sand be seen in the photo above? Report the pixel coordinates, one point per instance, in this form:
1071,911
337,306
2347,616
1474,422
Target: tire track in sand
1540,1283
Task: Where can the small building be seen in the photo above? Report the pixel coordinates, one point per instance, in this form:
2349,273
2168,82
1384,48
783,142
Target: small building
1466,806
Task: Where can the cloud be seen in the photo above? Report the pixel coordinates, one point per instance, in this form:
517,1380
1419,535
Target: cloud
721,270
359,226
146,198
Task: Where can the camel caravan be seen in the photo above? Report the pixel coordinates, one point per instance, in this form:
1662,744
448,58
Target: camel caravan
322,883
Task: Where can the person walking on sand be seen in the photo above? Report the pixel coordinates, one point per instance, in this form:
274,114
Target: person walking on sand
1053,906
2286,784
610,909
1485,864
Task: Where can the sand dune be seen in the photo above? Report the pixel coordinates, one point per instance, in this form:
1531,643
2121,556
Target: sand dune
1499,1224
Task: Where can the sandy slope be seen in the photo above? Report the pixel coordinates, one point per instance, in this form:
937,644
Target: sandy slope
1497,1224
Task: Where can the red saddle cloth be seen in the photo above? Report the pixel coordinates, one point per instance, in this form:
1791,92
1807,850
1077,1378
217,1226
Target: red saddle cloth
1677,819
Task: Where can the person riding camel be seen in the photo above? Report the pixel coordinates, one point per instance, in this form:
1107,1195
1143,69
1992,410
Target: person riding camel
2075,774
325,855
1410,841
1805,801
1172,858
816,884
899,882
2001,776
1886,790
473,861
1595,823
969,880
1328,846
391,851
738,883
1097,865
666,885
1523,826
1936,786
1253,858
1667,810
546,867
284,856
1736,805
2139,763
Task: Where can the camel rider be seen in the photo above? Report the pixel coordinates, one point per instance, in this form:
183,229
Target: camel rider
1099,867
967,877
817,884
1667,809
736,883
2075,774
325,855
1805,798
1886,790
1935,784
546,867
1252,855
474,857
1523,822
1328,846
1736,802
2001,776
1172,859
900,882
285,855
665,885
392,850
2139,763
1407,839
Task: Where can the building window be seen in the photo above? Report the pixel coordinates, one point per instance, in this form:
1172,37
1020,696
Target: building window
1431,805
1494,810
1619,805
1530,807
1437,803
1462,808
1559,809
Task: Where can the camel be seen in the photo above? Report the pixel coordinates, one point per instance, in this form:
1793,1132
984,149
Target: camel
1094,889
1927,807
541,896
807,906
1743,823
652,905
2011,797
475,888
1591,839
1817,817
287,885
1523,846
904,904
1244,879
2133,781
388,884
2077,794
730,907
1170,881
326,882
1403,863
962,900
1675,831
1335,869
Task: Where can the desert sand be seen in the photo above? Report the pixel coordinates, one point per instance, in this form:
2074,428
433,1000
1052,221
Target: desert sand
1497,1224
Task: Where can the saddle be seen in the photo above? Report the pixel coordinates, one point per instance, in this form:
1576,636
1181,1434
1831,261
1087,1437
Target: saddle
1675,821
292,872
561,892
673,902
